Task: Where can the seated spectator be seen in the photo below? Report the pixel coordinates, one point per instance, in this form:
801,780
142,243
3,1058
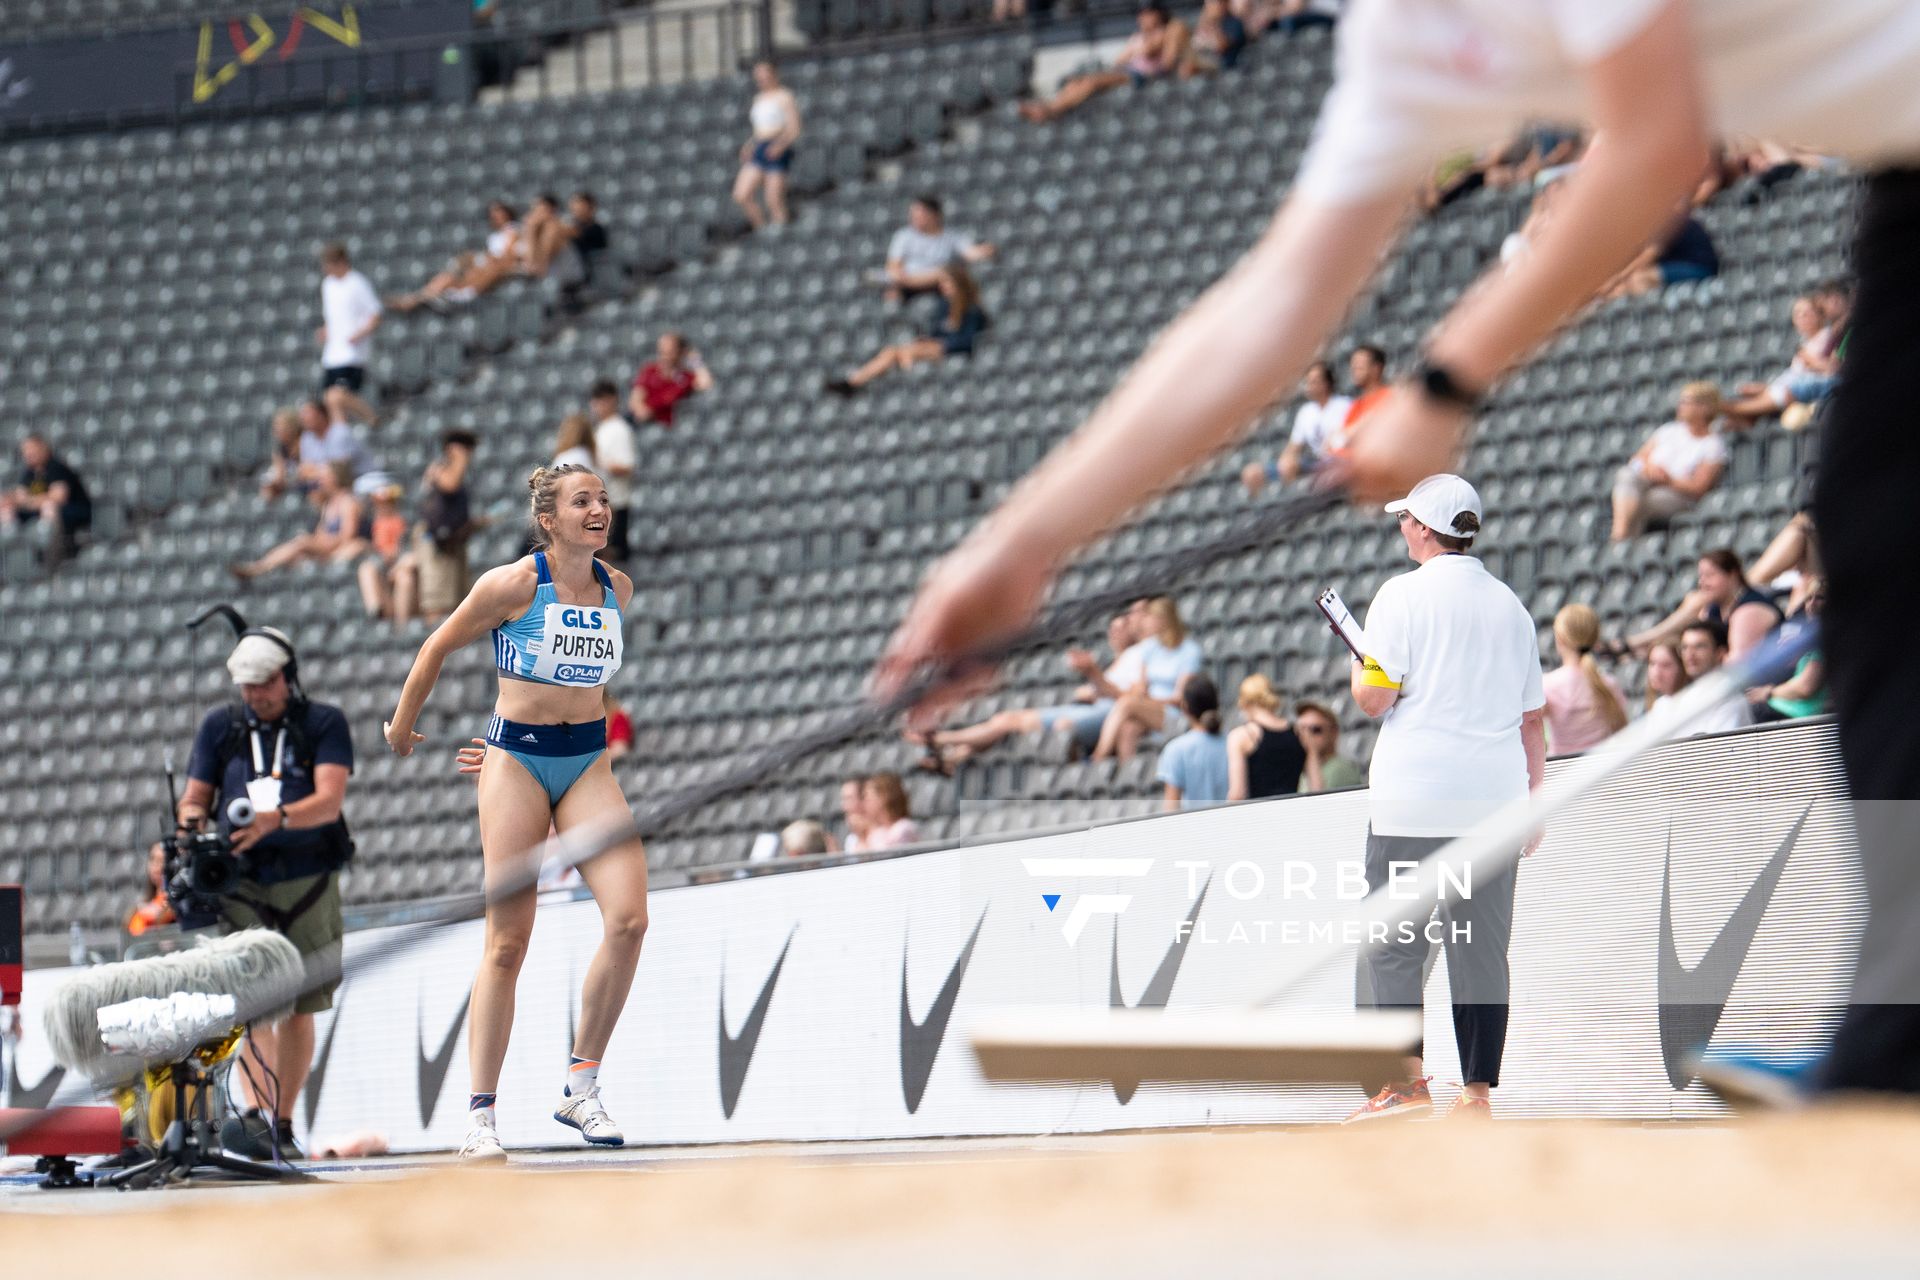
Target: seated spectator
1666,673
1791,562
675,372
953,333
1804,693
49,492
1539,151
803,838
619,725
1193,766
1169,658
853,813
387,535
1367,370
1724,598
1327,769
335,537
1078,722
1318,418
1157,49
325,440
1835,298
1685,254
573,442
1286,16
1584,705
1219,38
1808,377
156,911
473,272
432,577
616,457
767,153
924,248
1703,650
890,822
1265,757
566,250
283,467
1679,464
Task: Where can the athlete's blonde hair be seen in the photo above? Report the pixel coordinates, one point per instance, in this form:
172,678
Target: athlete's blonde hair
543,496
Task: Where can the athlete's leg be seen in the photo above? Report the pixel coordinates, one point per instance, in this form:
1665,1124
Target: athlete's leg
618,880
514,817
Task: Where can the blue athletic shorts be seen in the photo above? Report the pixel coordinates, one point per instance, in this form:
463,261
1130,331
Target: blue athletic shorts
555,754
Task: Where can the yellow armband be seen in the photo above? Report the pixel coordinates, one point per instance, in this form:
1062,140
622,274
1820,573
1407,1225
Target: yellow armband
1375,676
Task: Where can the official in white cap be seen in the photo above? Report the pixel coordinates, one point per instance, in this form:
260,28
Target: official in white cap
1453,670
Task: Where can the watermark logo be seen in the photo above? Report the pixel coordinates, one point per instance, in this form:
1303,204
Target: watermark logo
1088,905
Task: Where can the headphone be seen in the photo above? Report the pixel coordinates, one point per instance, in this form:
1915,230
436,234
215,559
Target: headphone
278,639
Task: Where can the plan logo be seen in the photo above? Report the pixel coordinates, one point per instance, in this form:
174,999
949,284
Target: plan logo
573,671
1088,905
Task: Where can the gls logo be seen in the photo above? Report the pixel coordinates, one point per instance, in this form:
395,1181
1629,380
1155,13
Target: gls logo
583,619
571,671
1089,905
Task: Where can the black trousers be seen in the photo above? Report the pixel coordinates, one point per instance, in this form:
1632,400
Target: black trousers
1476,964
1865,507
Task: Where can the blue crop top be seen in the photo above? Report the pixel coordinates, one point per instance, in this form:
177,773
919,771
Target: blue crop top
565,644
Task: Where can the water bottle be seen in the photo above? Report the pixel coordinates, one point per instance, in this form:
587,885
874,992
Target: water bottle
76,944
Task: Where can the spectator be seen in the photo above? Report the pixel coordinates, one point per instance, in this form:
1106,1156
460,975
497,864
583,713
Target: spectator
1314,422
1686,254
767,153
580,269
1193,766
1367,369
1723,597
1157,49
1666,673
853,813
1677,466
924,248
616,456
1808,377
1286,16
387,536
1836,306
283,467
1008,10
1703,650
1791,562
675,372
1078,721
1584,705
573,443
350,311
953,334
619,725
1519,243
156,910
474,272
432,578
50,492
335,537
1169,658
803,838
1541,152
890,822
1804,693
326,439
1219,38
1265,757
545,234
1319,732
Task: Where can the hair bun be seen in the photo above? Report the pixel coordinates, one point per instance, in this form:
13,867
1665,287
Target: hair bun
535,480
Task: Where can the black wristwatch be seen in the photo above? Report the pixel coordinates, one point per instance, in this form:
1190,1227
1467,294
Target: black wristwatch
1438,383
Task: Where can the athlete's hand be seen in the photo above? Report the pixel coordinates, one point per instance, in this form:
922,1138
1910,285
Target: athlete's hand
402,742
1397,446
984,591
469,759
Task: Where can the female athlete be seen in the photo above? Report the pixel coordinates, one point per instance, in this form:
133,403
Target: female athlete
556,622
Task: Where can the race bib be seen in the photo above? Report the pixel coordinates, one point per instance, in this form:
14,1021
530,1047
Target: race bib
583,645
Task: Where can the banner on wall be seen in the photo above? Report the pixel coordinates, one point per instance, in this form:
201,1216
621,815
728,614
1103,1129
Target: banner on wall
1710,896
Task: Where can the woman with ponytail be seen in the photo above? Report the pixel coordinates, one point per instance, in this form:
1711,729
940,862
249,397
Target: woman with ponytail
555,616
1265,757
1584,705
1194,765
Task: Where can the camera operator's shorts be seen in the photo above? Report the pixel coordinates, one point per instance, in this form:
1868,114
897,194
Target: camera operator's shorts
317,931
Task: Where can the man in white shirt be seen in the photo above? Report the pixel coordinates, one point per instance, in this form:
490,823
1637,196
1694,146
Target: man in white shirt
350,311
1703,649
1453,665
615,457
1317,418
924,248
1677,466
325,440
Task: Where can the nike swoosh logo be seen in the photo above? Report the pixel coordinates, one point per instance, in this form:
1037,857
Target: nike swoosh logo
433,1071
1160,986
736,1052
317,1077
1692,1000
19,1095
920,1041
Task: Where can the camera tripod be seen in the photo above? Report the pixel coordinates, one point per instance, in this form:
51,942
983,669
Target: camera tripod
191,1144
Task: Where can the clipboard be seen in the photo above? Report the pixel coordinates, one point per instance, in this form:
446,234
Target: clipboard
1341,622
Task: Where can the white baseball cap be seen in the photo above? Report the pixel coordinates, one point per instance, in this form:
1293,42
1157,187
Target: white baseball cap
1438,501
256,658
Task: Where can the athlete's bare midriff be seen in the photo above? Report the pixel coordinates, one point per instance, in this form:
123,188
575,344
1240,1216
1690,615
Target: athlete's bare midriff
531,702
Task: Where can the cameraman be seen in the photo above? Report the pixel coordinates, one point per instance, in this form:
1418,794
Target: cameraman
291,758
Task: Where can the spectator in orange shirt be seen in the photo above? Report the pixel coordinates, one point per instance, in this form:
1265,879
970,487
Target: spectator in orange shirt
156,910
1367,367
388,531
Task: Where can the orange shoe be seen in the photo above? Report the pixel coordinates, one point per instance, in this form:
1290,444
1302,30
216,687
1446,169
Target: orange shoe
1396,1100
1468,1107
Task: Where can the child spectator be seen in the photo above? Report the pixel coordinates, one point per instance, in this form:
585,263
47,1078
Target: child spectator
1265,757
1157,49
1584,705
675,372
1678,465
1319,732
952,334
1808,377
1315,422
1194,765
890,822
387,534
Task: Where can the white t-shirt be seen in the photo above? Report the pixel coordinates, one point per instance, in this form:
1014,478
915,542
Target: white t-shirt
1731,714
1130,668
918,253
1677,451
346,304
1313,423
1419,78
1463,647
578,456
613,447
